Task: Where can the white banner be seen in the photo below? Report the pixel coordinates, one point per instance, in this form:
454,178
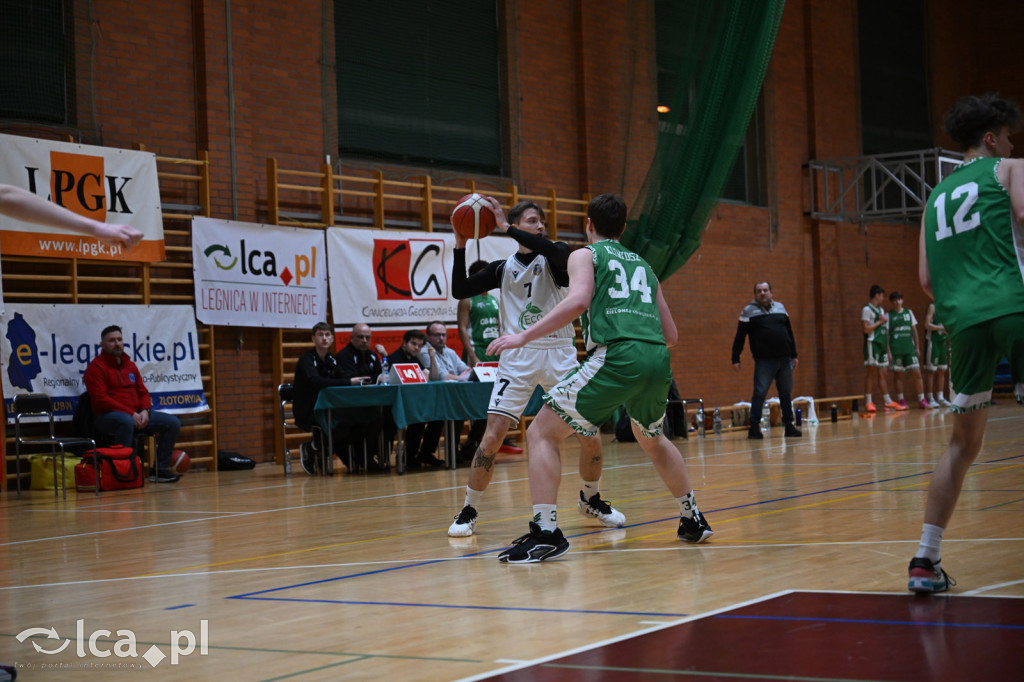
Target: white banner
46,348
250,275
398,279
117,186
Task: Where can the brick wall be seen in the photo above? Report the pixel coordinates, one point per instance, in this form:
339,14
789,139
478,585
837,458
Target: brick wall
580,97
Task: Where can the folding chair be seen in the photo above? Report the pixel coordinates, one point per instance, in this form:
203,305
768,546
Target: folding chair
40,405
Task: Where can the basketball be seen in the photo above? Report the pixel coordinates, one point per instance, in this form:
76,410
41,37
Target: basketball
471,210
180,462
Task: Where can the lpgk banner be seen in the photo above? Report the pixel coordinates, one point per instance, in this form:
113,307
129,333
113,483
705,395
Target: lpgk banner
251,275
117,186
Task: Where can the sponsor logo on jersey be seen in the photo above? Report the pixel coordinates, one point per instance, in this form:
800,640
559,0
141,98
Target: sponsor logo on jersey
530,315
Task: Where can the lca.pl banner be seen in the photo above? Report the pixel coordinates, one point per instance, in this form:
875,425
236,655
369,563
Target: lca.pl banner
251,275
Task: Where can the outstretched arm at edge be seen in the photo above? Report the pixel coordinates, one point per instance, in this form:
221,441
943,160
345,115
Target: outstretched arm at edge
22,205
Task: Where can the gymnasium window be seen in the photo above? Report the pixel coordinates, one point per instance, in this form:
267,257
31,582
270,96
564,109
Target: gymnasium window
746,183
894,108
418,82
37,76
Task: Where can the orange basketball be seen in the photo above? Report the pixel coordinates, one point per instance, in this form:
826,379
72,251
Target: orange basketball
180,462
471,211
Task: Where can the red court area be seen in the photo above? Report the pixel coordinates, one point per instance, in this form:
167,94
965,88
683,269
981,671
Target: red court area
816,636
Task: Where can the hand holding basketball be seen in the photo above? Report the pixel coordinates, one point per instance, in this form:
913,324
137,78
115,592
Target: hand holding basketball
473,217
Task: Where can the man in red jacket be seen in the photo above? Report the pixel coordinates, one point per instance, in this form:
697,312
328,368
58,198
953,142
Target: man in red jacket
121,403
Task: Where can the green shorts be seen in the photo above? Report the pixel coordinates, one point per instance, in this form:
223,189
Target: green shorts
876,353
936,352
904,363
636,374
976,351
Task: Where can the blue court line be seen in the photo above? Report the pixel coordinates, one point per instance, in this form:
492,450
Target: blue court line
255,595
469,606
872,621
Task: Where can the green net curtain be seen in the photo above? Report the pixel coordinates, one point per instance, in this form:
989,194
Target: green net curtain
721,60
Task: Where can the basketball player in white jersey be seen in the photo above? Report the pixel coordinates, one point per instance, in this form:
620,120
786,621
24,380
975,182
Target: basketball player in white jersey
532,281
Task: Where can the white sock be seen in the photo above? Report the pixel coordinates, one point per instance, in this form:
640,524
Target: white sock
886,399
687,505
546,516
931,541
473,497
931,397
920,397
900,397
591,488
867,397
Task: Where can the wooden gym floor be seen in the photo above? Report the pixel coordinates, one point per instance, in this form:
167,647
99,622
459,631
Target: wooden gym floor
354,577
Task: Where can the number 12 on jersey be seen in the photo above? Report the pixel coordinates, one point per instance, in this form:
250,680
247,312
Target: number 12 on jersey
963,219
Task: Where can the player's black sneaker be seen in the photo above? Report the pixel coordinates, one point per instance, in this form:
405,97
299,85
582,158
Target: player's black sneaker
537,545
694,530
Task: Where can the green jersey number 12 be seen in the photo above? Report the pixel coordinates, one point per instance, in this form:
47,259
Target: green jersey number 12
963,219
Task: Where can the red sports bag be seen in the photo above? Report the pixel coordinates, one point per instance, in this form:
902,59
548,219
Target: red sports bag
119,467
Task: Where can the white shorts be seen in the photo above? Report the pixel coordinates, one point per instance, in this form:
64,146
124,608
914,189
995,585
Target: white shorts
521,370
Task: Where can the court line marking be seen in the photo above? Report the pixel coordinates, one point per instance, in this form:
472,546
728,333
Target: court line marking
979,591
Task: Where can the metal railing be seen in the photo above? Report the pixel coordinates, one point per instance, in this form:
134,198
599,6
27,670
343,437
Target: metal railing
879,188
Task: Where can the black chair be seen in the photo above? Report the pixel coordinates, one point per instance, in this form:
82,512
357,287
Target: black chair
40,405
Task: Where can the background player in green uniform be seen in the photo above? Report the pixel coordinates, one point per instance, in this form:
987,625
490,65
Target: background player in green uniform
627,327
903,350
936,358
875,324
478,322
972,265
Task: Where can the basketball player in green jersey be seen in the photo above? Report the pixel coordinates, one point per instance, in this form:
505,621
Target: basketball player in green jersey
627,327
478,322
875,324
903,350
972,265
936,358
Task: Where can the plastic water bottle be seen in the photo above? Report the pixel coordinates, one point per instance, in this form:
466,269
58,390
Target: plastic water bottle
799,416
718,422
766,423
835,413
385,376
700,421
